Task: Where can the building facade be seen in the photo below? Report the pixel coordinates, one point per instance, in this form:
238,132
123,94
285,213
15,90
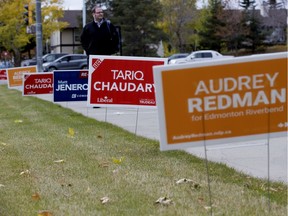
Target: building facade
68,40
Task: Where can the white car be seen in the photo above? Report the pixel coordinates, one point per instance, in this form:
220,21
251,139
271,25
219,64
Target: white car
200,55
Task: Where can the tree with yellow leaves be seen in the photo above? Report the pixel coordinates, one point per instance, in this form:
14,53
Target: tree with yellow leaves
12,24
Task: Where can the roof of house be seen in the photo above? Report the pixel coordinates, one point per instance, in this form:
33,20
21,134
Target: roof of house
276,17
73,17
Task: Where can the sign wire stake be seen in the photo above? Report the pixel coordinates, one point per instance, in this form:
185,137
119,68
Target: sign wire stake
207,167
136,124
105,120
268,162
268,173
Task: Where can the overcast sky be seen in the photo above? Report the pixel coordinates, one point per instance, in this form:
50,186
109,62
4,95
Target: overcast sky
77,4
73,4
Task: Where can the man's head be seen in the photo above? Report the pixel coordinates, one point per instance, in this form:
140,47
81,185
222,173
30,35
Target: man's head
97,13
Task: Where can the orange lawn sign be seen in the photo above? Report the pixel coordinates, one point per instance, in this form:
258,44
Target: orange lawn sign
223,101
15,75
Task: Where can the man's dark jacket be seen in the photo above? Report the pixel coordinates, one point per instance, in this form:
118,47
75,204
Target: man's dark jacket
101,40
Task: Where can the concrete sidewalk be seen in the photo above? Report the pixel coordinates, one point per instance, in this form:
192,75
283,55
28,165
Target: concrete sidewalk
250,158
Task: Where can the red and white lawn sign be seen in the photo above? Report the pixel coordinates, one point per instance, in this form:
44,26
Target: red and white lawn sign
3,74
122,81
38,83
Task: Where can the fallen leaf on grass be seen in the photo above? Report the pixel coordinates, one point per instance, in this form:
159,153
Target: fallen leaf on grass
71,133
163,201
116,171
4,144
104,200
66,185
44,213
25,172
104,164
36,196
18,121
200,200
265,188
273,189
118,161
196,186
209,207
58,161
185,180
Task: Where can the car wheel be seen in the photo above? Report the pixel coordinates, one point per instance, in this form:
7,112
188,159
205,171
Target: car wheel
51,69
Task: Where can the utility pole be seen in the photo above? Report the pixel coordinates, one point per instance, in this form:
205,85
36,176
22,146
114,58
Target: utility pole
84,13
39,47
84,17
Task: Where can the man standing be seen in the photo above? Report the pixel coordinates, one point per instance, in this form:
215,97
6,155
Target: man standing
99,37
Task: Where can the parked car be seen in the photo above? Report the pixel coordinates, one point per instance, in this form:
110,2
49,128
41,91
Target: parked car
52,57
6,64
46,58
200,55
67,62
176,56
28,62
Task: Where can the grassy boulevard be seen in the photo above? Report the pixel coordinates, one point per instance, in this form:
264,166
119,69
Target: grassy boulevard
57,162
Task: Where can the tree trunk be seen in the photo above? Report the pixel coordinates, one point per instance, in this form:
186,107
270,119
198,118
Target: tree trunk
17,57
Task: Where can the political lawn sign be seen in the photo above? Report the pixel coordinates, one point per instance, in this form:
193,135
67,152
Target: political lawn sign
122,81
3,74
70,85
15,75
224,101
37,83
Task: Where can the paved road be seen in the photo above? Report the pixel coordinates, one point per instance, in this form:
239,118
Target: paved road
250,158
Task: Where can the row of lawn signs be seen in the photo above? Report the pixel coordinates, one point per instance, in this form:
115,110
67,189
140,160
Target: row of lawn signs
213,102
111,81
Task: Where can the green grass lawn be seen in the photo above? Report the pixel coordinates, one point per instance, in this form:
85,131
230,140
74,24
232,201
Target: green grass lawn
57,162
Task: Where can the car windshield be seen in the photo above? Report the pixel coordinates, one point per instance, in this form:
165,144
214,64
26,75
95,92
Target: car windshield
49,58
191,56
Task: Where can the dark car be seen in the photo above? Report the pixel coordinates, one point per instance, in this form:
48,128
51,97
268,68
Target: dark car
46,58
67,62
176,56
